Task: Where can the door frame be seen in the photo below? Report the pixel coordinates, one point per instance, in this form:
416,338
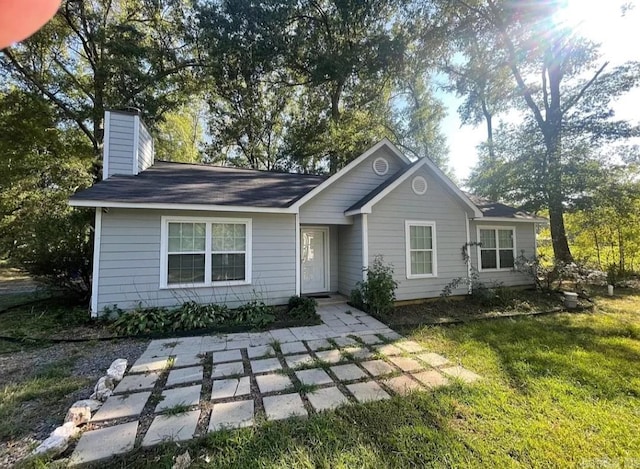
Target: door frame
327,257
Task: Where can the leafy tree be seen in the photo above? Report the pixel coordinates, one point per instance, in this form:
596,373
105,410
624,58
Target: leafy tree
101,54
42,162
179,135
548,63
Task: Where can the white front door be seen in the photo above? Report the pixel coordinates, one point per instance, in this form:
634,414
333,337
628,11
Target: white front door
315,254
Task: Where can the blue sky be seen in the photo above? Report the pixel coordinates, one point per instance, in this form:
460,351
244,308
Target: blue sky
599,20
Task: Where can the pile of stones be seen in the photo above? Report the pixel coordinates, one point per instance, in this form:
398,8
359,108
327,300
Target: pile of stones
80,412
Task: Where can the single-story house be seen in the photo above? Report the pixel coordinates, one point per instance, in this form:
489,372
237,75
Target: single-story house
166,233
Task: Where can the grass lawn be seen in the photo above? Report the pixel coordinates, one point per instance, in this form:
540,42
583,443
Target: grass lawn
560,390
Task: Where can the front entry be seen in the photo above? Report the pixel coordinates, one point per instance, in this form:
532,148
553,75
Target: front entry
315,259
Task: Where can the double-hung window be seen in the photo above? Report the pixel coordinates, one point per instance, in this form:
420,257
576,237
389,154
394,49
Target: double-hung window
205,252
421,249
497,248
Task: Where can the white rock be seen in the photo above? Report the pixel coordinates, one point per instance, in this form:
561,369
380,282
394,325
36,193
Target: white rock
182,461
58,441
117,369
67,430
53,446
92,404
78,414
103,389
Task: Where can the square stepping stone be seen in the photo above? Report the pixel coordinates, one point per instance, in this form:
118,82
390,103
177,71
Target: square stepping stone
284,406
265,365
184,375
431,378
101,444
349,372
226,356
391,335
283,336
367,391
260,338
227,369
345,341
145,364
292,347
172,398
410,346
406,364
461,374
330,356
178,427
126,405
238,344
295,361
370,339
134,383
225,388
402,385
314,376
389,349
327,398
273,382
236,414
378,367
320,344
213,344
358,353
433,359
187,360
260,351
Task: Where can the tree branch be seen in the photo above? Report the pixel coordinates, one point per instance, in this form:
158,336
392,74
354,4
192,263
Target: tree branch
578,97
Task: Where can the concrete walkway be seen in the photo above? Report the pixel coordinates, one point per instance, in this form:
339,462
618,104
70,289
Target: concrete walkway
183,388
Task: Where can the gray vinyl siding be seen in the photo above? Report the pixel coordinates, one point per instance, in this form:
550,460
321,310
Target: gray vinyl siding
386,228
121,145
350,255
130,261
525,244
329,205
145,148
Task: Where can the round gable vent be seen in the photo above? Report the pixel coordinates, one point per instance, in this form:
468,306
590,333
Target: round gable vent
419,185
380,166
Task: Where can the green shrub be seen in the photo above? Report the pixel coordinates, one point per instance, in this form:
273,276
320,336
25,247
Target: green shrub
254,314
192,315
377,293
142,321
301,307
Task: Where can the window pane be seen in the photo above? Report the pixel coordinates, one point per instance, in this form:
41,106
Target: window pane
185,268
506,259
421,262
186,237
488,238
228,237
488,259
420,237
505,238
227,267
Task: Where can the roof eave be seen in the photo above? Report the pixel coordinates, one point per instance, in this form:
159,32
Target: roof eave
173,206
511,219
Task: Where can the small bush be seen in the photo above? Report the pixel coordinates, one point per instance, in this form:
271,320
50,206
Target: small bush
376,294
255,314
300,307
142,321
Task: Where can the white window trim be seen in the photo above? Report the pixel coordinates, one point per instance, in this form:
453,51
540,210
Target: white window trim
434,249
497,249
164,252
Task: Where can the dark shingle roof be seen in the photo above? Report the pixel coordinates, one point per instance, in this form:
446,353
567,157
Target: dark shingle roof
496,209
179,183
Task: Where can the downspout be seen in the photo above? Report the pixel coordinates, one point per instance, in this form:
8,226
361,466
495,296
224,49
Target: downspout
468,259
95,276
298,259
365,246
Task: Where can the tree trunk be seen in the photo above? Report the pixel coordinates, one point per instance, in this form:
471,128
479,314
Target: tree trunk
336,94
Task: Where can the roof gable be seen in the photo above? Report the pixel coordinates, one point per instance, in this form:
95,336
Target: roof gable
366,204
384,143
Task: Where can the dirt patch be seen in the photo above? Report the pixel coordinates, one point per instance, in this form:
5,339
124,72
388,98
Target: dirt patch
13,280
32,401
